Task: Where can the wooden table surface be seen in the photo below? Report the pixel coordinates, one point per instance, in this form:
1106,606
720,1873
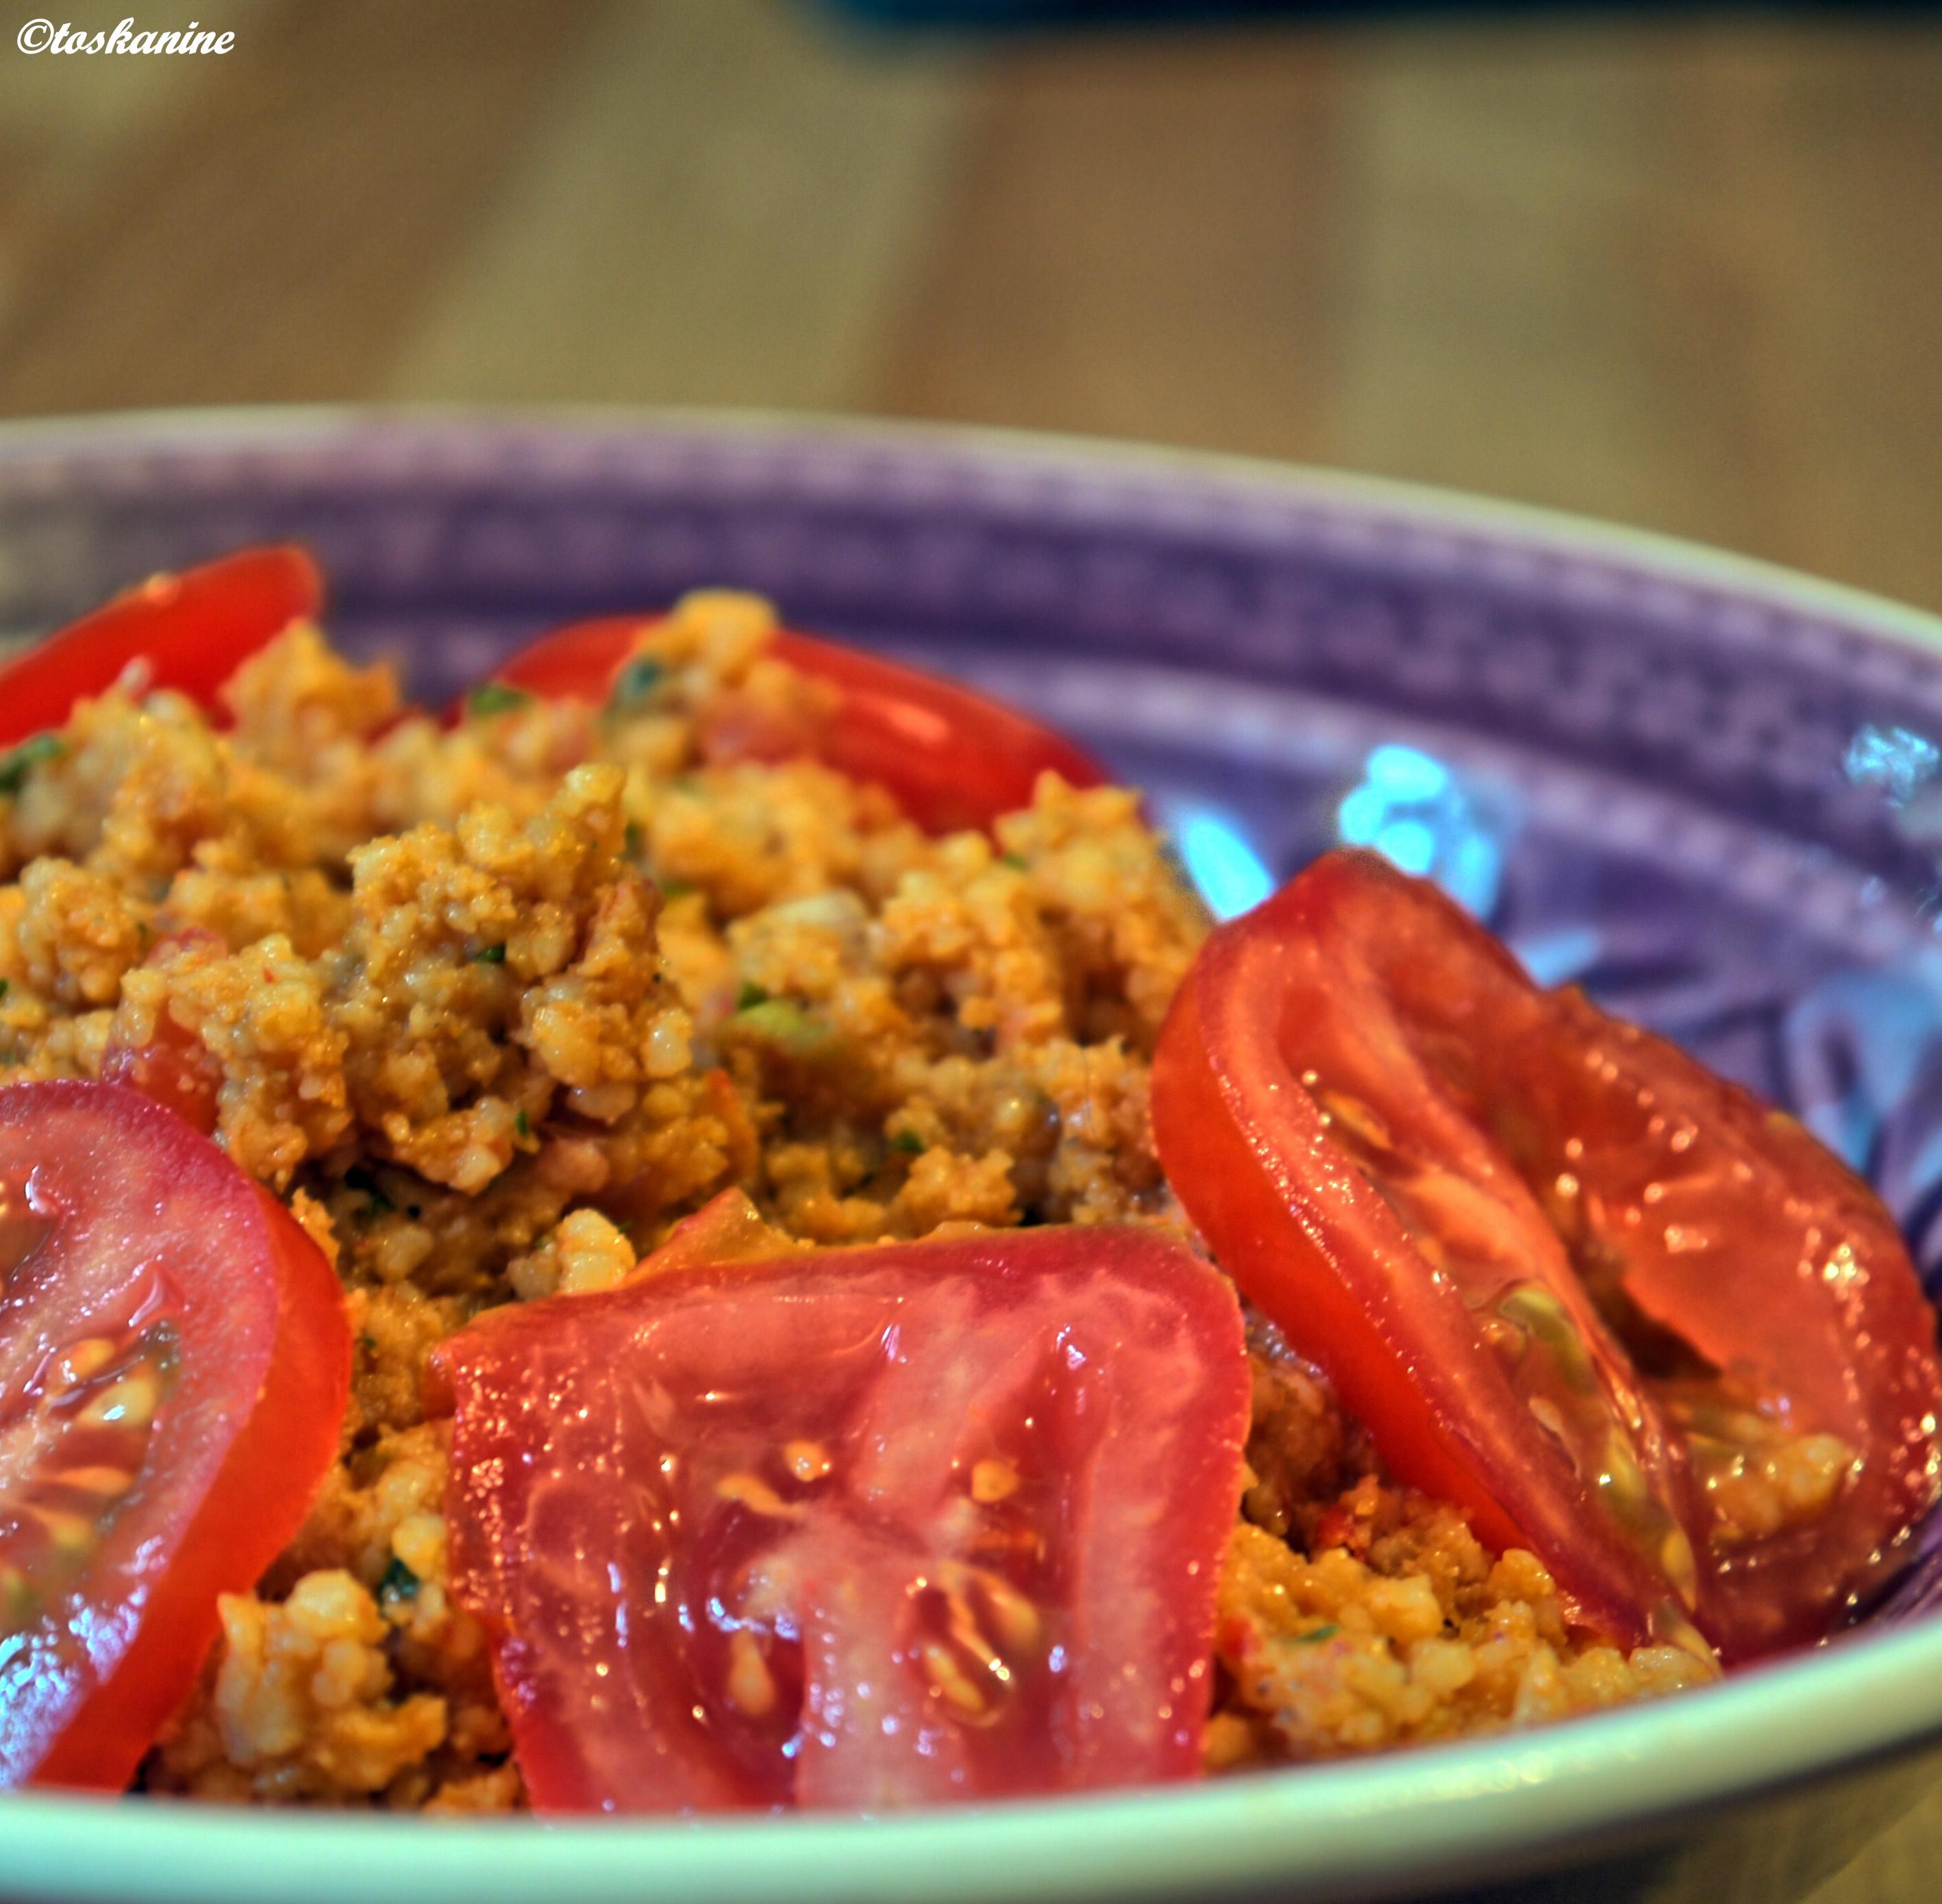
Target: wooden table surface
1684,275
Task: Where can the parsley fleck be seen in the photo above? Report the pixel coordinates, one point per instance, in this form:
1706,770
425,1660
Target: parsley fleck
490,955
29,754
750,995
399,1582
909,1142
496,697
784,1028
677,888
636,681
3,983
368,1342
1016,860
633,838
522,1124
1316,1637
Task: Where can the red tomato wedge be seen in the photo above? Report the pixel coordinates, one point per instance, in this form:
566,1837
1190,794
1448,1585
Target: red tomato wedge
174,1363
953,759
1458,1193
192,629
863,1529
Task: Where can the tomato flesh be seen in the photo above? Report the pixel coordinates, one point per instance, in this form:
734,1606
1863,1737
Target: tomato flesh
952,758
860,1529
1463,1196
174,1069
174,1362
192,629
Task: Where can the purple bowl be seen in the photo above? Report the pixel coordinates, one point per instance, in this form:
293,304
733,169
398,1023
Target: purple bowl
1710,791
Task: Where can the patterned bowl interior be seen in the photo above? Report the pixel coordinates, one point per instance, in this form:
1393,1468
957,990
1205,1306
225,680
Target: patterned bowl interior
1718,809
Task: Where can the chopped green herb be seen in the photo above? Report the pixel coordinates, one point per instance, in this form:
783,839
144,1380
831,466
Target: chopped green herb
490,955
1316,1637
360,1179
790,1031
1016,860
633,838
750,995
909,1142
496,697
368,1342
522,1124
677,888
399,1582
3,983
636,681
784,1026
29,754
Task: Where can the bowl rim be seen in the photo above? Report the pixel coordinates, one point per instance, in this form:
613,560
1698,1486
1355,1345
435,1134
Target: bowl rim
1434,1814
1425,506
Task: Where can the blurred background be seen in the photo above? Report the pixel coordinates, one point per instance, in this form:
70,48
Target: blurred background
1680,271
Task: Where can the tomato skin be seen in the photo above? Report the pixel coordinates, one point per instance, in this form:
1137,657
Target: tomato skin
242,1439
1099,1375
1854,1356
953,759
1292,1220
193,630
175,1070
1359,987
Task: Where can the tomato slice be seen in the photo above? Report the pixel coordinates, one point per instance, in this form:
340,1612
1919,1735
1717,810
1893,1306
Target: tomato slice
860,1529
176,1069
193,630
174,1363
953,759
1464,1197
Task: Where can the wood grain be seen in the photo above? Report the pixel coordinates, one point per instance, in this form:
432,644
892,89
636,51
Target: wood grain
1139,243
718,210
1684,276
267,240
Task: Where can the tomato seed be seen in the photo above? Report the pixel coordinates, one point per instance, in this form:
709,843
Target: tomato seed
85,1360
752,1686
130,1403
1017,1620
807,1461
72,1535
993,1480
18,1600
948,1680
105,1481
752,1491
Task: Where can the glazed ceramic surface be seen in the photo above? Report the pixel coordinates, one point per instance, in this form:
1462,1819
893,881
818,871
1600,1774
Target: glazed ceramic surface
1709,792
